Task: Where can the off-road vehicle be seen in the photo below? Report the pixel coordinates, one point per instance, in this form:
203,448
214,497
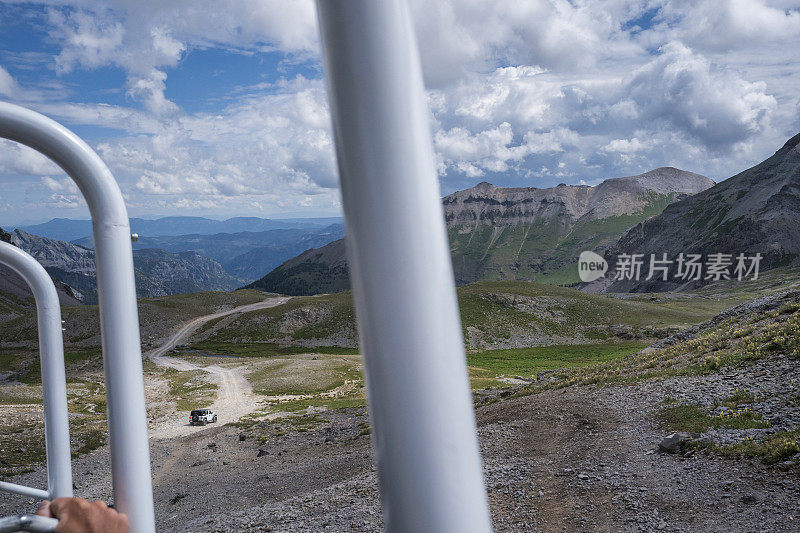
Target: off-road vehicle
201,417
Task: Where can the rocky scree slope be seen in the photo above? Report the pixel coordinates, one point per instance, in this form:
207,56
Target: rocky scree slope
525,233
755,211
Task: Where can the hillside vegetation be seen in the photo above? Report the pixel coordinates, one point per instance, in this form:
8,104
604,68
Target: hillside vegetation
506,314
157,317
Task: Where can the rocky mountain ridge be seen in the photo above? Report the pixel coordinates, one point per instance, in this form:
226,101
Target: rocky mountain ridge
158,273
245,255
515,233
15,293
629,195
66,229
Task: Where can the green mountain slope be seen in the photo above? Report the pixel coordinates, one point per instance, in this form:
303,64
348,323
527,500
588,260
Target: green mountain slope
502,314
522,233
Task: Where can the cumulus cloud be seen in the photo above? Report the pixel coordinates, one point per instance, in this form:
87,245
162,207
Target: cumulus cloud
19,159
520,93
145,38
60,185
264,143
720,25
714,105
460,37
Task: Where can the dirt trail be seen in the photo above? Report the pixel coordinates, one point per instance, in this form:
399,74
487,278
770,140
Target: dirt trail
235,396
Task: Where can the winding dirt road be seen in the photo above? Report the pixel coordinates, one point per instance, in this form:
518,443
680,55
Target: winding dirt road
235,396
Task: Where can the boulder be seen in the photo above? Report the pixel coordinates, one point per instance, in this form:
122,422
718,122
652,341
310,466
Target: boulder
673,443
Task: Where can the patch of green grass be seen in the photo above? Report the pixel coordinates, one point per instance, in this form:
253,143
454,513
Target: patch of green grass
294,406
302,375
201,303
87,397
72,356
481,378
304,423
498,311
696,419
11,359
528,361
301,319
776,448
739,397
189,389
263,349
21,448
733,342
90,440
21,395
156,315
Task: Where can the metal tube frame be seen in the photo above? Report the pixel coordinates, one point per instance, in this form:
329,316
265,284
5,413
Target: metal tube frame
54,381
119,319
402,277
28,522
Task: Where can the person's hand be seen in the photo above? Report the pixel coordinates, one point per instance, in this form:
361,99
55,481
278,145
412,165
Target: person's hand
76,515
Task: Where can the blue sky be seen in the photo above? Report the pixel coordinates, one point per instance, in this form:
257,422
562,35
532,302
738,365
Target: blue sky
218,108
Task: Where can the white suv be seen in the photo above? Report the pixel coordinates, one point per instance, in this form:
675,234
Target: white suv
201,417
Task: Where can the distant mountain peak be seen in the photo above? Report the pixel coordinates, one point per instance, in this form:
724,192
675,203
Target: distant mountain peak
484,186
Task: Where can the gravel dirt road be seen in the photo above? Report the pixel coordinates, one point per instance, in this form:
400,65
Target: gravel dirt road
235,397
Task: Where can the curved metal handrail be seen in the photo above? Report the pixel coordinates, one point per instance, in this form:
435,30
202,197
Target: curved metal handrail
119,319
54,381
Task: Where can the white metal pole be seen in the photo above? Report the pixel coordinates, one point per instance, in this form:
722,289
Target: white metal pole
119,319
51,353
23,490
402,277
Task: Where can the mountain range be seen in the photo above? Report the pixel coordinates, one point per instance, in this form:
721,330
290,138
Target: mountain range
244,255
158,273
65,229
15,293
516,233
495,233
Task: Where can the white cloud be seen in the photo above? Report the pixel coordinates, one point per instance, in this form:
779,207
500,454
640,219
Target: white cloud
720,25
712,104
625,146
147,37
459,37
19,159
60,185
278,141
522,92
8,85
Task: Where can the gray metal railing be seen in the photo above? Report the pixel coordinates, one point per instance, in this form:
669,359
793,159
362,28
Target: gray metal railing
119,318
54,383
28,522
